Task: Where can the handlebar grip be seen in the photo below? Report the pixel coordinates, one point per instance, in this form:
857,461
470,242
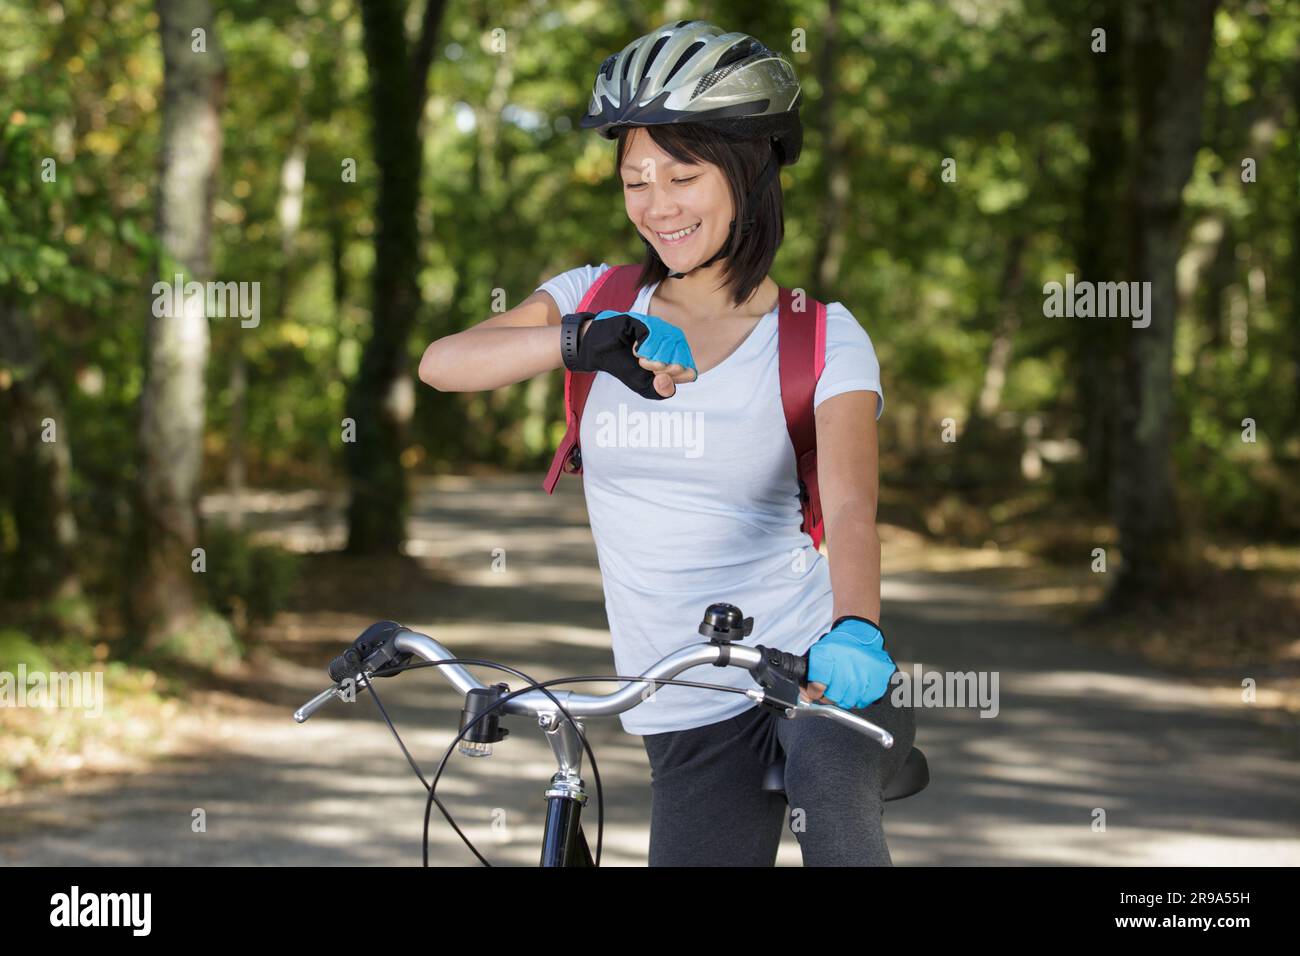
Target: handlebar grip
793,666
781,667
347,664
801,668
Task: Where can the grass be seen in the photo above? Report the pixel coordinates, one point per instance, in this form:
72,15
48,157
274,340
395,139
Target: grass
119,730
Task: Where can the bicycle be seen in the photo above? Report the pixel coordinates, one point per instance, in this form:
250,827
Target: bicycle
386,648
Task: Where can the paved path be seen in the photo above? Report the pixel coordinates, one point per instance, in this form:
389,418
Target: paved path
1182,780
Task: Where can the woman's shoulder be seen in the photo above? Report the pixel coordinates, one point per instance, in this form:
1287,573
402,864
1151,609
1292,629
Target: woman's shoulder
851,361
838,313
568,288
842,326
580,275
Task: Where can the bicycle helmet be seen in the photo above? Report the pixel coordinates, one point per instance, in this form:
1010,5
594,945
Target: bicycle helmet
693,72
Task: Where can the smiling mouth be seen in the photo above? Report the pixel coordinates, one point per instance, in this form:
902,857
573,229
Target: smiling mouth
680,235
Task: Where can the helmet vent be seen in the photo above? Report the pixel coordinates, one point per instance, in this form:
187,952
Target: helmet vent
650,60
682,60
739,51
718,75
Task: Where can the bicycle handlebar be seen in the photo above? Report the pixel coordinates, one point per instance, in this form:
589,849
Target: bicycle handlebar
534,703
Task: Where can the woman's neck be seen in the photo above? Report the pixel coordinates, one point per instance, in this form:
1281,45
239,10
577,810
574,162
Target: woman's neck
702,294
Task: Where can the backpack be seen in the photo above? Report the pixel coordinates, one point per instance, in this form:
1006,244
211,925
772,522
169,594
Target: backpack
801,346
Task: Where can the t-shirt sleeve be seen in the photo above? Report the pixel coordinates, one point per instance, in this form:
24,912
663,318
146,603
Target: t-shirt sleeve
851,363
568,288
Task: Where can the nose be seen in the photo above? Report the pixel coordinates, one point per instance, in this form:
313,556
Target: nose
660,206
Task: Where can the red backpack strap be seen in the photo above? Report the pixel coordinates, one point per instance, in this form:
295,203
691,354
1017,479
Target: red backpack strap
616,289
801,347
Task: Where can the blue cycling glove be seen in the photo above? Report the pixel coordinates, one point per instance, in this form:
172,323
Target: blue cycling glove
852,663
663,341
610,345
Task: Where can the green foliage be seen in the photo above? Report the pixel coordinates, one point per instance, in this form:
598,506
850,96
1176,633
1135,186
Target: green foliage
210,643
513,193
17,648
244,579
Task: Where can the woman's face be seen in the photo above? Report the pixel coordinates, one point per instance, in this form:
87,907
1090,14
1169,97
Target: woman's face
665,196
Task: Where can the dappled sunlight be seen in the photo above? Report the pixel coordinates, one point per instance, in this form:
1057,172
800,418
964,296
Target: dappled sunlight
1182,770
1141,692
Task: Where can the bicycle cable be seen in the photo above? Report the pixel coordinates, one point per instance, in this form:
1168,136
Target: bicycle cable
531,685
595,770
414,766
390,671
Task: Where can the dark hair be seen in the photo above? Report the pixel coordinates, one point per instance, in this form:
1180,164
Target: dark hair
749,257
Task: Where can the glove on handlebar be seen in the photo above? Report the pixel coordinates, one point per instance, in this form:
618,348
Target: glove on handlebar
852,663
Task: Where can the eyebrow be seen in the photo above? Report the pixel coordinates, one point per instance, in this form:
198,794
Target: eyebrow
636,166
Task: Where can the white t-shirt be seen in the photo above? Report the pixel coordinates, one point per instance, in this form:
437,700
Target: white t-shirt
694,500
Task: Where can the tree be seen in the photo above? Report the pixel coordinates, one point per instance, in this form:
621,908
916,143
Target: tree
1171,45
1099,247
46,527
382,396
172,399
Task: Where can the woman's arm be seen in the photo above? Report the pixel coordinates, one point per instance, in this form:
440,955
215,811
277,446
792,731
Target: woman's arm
848,480
501,350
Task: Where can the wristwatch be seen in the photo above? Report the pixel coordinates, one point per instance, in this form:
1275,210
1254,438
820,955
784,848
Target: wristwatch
570,327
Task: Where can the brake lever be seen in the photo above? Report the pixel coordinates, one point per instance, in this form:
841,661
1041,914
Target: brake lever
334,692
781,675
316,703
806,708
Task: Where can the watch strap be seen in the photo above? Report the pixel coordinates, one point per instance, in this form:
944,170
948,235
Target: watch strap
570,327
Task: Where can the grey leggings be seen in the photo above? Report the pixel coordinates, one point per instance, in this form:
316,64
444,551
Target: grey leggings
708,808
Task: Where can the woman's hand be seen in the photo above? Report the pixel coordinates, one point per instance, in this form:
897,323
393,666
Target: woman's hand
665,352
849,666
668,376
659,347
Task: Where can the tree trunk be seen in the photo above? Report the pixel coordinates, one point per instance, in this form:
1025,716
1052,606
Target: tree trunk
1172,50
382,397
1100,249
39,472
998,363
1292,418
172,399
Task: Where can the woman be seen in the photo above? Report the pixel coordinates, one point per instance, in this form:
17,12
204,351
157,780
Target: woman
703,120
